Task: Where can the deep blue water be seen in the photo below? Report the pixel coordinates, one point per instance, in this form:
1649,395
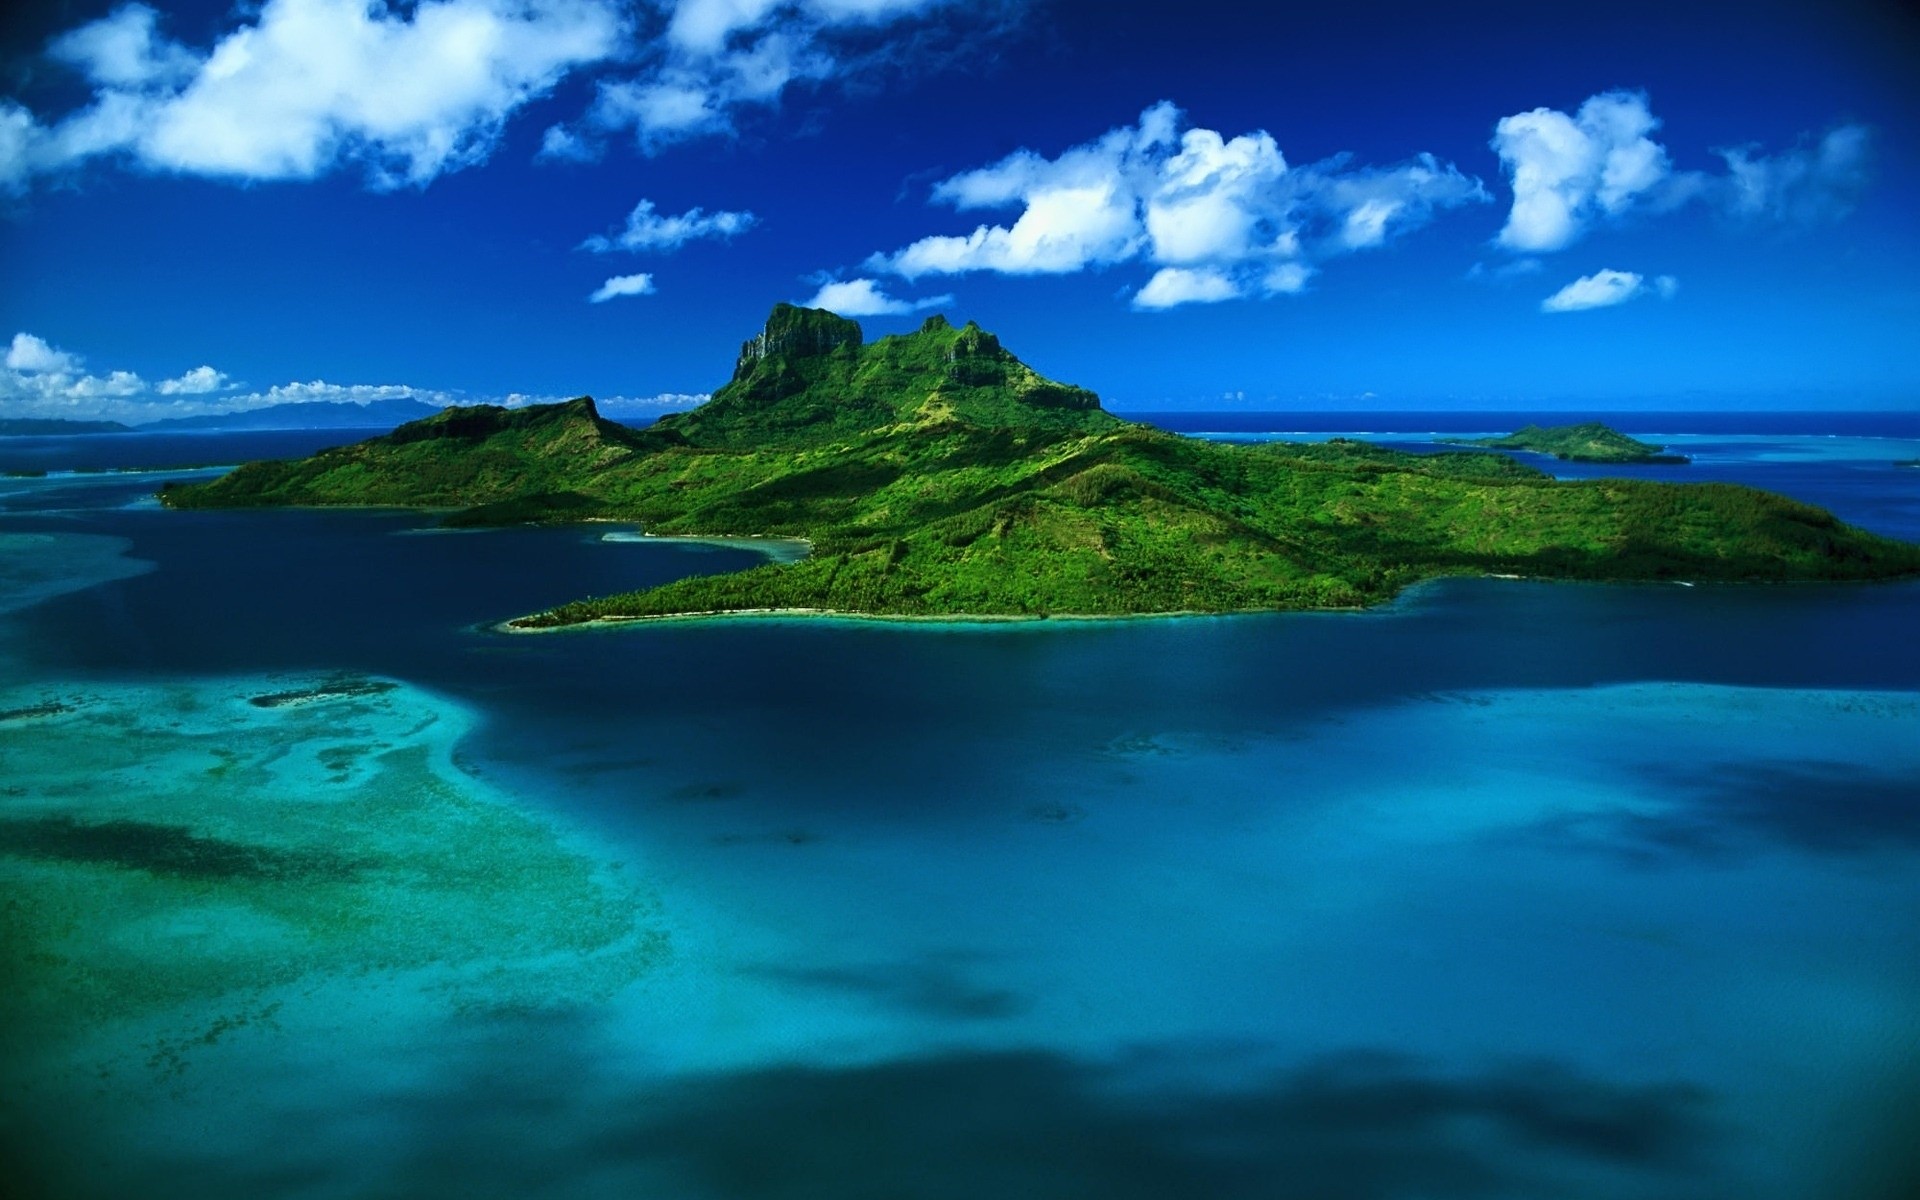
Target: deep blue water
1509,889
1884,423
113,451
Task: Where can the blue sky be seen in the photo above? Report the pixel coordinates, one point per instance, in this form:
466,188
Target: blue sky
1365,205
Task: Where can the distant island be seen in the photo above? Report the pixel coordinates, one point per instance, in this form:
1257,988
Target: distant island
304,414
56,427
937,475
1588,443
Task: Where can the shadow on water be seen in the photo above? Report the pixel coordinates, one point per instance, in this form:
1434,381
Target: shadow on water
526,1109
166,850
1734,810
931,989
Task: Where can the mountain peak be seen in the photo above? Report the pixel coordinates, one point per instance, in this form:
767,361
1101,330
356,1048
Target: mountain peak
795,332
810,377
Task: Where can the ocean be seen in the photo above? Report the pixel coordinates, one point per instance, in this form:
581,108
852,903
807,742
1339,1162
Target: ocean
320,886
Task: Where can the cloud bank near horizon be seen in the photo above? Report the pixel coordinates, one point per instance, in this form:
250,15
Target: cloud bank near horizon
41,381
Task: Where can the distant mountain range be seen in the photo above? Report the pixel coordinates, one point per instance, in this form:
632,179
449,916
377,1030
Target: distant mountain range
311,414
54,426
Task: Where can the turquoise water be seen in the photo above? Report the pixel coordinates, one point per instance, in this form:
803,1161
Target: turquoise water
1508,890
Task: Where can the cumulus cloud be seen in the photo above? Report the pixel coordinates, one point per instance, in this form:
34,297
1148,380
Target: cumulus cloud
1606,288
319,391
33,354
1569,172
408,90
302,87
39,380
622,285
125,50
617,407
197,382
1221,217
719,58
1171,286
863,298
646,229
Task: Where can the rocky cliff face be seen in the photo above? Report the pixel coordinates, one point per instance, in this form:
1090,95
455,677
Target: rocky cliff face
797,333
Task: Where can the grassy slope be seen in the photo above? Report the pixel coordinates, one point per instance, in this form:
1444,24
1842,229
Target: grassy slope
937,475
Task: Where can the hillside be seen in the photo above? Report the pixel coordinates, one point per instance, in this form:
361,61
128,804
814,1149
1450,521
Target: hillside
937,475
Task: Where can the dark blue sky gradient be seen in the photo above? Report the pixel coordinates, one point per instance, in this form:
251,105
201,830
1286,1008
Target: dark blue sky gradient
474,282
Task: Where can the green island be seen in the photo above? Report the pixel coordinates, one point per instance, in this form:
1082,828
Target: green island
936,475
1591,442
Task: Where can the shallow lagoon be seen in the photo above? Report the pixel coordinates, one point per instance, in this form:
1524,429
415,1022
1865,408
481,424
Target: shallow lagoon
1509,890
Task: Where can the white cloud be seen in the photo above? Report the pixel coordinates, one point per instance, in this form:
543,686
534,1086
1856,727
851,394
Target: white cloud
1667,286
863,298
1286,279
623,285
650,406
197,382
19,135
559,144
408,90
1064,229
646,229
319,391
1228,217
1604,289
720,58
1568,170
1808,183
125,50
33,354
40,381
1512,269
1172,286
303,87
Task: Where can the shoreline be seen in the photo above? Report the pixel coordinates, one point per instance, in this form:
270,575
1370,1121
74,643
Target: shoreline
777,549
834,614
1384,607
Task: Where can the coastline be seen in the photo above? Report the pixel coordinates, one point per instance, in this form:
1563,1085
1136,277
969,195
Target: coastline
1386,606
833,614
777,549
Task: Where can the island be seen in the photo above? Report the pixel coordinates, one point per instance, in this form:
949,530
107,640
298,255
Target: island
56,427
1591,442
935,475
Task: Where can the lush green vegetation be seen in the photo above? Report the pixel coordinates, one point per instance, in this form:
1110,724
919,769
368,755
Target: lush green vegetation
1591,442
936,475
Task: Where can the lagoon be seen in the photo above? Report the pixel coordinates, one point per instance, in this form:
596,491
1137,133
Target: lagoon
1506,889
